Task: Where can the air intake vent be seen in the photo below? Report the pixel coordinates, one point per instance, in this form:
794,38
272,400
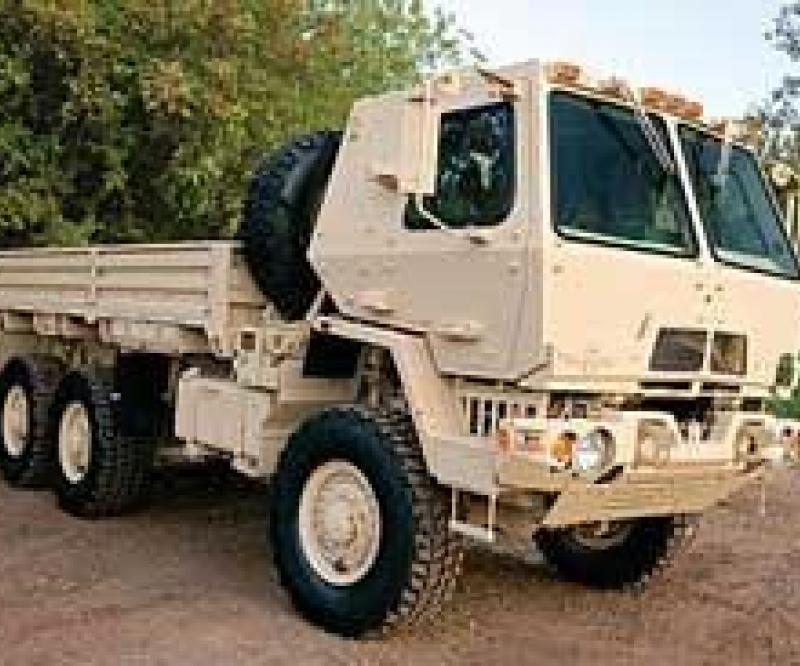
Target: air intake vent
679,350
483,413
729,354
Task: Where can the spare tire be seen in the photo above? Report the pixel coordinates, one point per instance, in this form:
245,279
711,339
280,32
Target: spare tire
279,216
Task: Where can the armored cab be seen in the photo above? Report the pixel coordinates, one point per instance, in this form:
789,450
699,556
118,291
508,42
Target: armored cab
558,234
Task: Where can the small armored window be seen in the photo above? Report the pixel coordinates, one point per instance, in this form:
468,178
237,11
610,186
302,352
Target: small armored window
475,182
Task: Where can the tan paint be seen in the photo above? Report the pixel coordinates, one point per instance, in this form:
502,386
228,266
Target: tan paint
526,303
179,298
478,323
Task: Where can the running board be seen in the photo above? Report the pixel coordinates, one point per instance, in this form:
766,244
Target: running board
482,533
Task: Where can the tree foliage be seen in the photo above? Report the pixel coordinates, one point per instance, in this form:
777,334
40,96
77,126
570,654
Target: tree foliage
140,120
780,114
780,117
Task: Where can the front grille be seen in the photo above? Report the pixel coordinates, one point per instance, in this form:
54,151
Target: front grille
679,350
666,386
484,412
719,387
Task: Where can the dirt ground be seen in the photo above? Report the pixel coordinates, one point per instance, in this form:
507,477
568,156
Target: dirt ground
190,582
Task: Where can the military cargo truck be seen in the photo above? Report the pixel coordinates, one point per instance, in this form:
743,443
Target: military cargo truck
517,302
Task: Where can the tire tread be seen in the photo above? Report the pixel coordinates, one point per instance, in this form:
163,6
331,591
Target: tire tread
276,254
646,554
43,374
121,479
437,553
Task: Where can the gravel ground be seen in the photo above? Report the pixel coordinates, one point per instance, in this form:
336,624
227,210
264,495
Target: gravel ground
190,582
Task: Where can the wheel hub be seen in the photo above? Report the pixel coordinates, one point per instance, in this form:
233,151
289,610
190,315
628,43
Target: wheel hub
75,442
602,535
16,426
340,523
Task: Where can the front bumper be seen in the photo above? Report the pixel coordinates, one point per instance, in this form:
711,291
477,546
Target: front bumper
639,494
687,476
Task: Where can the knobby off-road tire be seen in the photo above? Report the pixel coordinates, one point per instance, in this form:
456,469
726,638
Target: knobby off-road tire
28,383
646,549
113,479
417,560
279,216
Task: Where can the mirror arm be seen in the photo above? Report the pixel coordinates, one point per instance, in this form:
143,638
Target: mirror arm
419,202
471,235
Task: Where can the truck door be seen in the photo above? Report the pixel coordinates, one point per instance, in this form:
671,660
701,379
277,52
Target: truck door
456,265
465,282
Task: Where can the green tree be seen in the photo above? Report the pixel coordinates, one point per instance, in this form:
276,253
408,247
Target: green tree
140,120
780,114
780,117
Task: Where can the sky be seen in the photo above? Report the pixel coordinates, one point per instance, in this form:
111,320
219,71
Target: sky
710,50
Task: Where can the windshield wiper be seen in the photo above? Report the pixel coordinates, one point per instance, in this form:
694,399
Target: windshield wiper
631,151
651,133
725,153
657,145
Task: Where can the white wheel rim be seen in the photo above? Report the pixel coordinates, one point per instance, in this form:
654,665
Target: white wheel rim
340,523
75,442
602,536
16,426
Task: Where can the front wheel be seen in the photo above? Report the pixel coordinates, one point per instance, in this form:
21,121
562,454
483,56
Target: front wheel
616,554
359,528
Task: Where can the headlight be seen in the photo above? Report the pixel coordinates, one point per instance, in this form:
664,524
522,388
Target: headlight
593,451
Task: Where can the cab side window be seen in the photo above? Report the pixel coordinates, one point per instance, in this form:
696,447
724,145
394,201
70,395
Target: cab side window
475,183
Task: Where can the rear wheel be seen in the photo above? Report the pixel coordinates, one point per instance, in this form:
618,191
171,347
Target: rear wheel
27,386
616,554
359,528
98,473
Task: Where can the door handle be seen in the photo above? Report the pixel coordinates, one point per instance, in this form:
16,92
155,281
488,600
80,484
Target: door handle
376,301
464,332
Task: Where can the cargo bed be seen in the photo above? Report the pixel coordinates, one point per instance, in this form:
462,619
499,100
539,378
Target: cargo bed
176,298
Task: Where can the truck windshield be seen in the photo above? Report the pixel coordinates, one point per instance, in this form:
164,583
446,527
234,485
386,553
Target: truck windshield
739,216
608,185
